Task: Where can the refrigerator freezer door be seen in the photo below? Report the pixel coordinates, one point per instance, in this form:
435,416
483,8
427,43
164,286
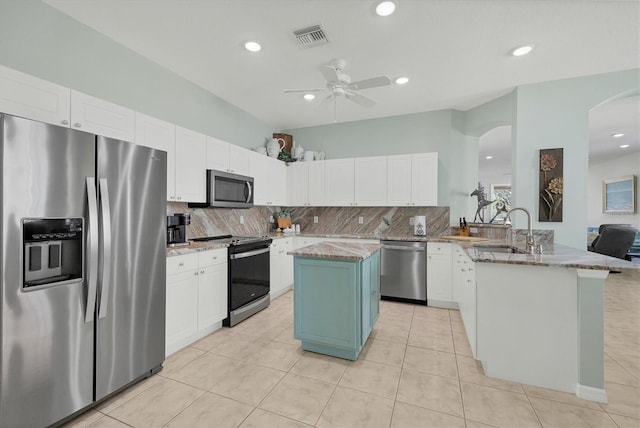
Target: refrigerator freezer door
46,355
131,308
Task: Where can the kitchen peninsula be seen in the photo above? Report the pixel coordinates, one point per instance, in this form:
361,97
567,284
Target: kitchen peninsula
336,297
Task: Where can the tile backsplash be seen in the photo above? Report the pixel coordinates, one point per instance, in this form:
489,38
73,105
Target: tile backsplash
376,221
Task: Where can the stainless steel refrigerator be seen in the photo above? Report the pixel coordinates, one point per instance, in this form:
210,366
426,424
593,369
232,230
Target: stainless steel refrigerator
82,311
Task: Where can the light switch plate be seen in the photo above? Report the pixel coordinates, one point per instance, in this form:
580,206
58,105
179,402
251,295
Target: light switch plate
315,218
360,220
473,230
241,219
411,222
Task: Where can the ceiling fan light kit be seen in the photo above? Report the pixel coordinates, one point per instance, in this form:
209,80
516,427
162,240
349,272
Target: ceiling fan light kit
339,84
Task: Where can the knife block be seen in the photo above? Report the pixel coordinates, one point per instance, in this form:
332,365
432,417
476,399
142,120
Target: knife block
464,232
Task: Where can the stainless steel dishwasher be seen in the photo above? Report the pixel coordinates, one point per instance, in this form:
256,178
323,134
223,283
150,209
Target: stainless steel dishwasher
403,271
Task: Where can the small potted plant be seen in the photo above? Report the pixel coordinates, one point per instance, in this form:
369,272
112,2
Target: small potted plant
284,219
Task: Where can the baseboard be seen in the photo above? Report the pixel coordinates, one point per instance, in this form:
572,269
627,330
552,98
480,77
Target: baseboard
442,304
590,393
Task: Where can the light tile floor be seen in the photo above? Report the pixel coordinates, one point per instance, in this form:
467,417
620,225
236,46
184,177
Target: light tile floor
415,371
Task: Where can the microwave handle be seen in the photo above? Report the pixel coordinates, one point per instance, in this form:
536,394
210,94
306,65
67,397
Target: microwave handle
250,191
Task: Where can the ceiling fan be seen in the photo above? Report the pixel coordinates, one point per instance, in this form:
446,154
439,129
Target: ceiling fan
340,84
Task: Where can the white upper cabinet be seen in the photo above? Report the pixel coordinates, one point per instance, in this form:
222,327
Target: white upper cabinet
424,179
298,173
412,179
269,180
91,114
306,183
339,179
191,174
226,157
399,180
370,181
317,185
33,98
161,135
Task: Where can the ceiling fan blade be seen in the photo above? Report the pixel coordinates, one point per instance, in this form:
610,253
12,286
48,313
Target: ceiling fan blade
374,82
360,99
291,91
330,73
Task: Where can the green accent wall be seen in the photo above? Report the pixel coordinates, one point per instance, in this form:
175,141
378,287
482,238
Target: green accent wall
39,40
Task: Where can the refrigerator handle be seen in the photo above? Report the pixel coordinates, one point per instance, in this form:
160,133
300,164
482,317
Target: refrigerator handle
92,273
105,210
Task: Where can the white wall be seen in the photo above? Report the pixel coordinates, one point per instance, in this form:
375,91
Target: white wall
600,171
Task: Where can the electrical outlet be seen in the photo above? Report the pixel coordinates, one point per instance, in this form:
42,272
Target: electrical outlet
411,221
360,220
241,219
315,218
473,230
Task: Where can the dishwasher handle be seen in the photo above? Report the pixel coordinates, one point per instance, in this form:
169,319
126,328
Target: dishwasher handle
401,248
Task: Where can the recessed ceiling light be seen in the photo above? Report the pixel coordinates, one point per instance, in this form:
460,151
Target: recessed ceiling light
522,50
252,46
624,146
309,97
618,135
385,8
402,80
489,157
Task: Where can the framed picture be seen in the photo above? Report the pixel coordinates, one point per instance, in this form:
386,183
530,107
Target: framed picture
619,195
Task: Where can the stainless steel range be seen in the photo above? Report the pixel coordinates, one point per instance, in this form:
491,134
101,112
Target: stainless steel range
249,272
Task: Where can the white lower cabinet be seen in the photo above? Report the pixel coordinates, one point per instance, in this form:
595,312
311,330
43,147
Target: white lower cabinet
465,287
196,296
281,266
439,275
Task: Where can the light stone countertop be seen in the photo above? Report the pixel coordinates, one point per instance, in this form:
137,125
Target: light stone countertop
553,255
194,247
337,251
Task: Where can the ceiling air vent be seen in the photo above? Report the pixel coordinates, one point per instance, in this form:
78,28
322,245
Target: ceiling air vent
310,36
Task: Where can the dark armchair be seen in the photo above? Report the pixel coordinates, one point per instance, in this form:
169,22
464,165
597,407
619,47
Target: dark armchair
614,240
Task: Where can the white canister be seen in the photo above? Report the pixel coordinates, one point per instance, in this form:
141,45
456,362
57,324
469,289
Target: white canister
309,156
420,225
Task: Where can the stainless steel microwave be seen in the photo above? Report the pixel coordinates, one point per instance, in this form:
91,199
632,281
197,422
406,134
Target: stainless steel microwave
228,190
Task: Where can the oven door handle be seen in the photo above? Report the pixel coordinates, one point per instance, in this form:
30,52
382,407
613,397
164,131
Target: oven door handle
249,253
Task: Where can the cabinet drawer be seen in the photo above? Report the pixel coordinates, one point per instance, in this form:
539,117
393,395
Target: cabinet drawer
212,257
178,264
281,246
438,248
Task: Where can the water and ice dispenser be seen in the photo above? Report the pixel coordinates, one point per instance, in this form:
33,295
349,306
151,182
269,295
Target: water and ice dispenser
52,250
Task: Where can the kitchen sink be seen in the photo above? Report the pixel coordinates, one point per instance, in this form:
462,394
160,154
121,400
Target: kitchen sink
499,249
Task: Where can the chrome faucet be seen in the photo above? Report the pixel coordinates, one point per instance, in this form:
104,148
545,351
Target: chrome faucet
530,244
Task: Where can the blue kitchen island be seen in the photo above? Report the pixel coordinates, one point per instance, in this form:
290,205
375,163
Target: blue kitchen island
336,296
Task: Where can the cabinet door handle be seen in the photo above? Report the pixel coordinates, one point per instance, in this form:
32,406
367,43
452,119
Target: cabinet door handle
215,257
78,125
181,264
202,271
65,122
195,273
